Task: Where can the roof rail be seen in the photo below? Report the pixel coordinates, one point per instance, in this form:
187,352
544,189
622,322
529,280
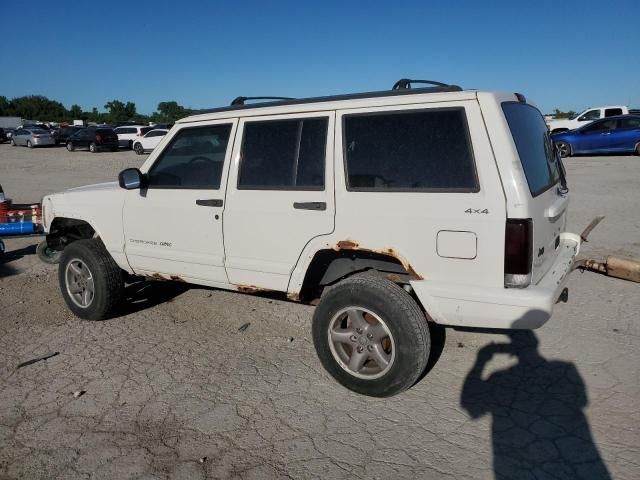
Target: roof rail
405,83
241,100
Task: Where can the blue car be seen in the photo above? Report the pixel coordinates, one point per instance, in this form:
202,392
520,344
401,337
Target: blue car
619,134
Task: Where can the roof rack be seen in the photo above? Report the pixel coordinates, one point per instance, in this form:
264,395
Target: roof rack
241,100
404,88
405,83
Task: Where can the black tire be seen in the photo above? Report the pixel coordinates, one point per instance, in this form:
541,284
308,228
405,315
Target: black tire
70,147
13,143
137,147
564,149
93,148
29,144
47,254
130,145
108,282
406,324
114,149
638,149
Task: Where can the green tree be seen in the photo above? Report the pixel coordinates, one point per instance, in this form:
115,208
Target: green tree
171,111
119,111
37,107
559,114
75,112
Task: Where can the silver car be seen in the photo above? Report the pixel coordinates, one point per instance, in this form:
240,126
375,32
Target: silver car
32,137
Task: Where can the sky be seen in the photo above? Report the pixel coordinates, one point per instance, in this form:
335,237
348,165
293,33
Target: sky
568,54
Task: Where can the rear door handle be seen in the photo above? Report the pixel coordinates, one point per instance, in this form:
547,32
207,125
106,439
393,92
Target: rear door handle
210,202
310,205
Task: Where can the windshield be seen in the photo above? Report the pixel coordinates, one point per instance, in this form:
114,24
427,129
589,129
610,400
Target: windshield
534,145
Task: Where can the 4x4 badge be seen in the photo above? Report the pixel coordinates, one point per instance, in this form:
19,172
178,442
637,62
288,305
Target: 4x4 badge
476,210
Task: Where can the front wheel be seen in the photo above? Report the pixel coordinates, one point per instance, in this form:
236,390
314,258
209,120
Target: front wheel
371,336
138,148
70,146
564,149
93,148
13,143
91,282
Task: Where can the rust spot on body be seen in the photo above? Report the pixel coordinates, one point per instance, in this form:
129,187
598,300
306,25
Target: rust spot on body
347,245
294,297
176,278
157,276
251,289
351,245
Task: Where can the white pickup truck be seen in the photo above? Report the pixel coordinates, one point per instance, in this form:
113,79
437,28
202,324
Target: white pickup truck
585,117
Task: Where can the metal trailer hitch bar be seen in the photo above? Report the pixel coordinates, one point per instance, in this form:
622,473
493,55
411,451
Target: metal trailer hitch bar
611,266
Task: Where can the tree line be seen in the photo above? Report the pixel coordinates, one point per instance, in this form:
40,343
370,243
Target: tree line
39,107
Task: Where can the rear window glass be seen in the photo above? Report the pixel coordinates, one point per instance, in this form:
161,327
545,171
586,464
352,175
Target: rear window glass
105,131
38,131
534,145
409,151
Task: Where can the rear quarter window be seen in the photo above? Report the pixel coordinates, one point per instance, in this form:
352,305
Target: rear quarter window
422,150
534,145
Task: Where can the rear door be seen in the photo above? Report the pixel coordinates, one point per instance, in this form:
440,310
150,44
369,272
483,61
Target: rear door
279,197
626,137
547,206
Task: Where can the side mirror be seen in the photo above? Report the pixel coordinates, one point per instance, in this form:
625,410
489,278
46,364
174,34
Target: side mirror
131,179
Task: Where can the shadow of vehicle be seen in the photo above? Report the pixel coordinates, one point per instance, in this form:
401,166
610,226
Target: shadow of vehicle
144,294
12,256
539,430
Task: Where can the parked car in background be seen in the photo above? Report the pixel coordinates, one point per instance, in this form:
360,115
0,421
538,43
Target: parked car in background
94,139
610,135
586,117
32,137
128,134
3,136
149,141
62,134
166,126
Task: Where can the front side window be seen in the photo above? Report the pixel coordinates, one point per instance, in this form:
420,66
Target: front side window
590,115
193,159
534,145
601,126
426,150
283,155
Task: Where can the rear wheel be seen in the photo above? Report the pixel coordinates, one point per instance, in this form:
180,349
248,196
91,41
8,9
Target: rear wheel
93,147
564,149
91,282
29,144
70,146
638,149
130,145
137,147
371,336
13,143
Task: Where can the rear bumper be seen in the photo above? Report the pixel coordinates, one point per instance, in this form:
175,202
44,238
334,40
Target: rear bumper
508,308
40,142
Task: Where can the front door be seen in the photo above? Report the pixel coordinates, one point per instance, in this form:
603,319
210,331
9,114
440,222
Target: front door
174,226
597,136
280,196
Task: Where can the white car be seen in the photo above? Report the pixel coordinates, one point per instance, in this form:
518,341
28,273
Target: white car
150,141
392,211
586,117
130,133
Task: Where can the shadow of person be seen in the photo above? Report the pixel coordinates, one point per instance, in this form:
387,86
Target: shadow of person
539,430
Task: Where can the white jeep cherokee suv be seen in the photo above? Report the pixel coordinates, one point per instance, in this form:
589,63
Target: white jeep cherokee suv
395,210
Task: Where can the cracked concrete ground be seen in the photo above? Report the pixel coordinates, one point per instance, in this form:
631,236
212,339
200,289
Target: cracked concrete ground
174,390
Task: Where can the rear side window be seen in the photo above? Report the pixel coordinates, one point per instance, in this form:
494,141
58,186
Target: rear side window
534,145
193,159
105,131
629,122
612,112
283,155
409,151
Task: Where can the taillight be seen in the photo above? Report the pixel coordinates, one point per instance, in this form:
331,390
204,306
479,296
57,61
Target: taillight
518,253
98,138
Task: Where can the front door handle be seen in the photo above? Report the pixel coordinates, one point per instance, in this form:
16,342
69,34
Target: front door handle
310,205
210,202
